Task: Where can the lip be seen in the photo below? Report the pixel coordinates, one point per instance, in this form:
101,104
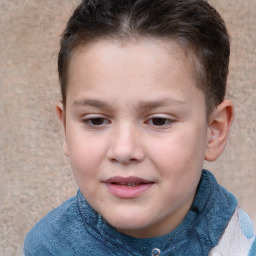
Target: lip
127,187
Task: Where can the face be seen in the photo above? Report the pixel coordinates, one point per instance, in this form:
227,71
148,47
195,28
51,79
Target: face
136,133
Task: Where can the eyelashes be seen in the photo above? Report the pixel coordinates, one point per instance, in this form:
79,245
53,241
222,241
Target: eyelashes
161,121
96,121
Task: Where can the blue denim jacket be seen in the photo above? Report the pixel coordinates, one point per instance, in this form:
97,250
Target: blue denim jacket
74,228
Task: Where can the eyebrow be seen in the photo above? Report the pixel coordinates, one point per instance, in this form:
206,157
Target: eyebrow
91,102
143,105
147,105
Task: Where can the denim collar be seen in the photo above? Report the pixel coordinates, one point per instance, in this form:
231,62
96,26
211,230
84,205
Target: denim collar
201,229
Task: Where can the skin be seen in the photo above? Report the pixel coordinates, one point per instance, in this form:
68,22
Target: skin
133,110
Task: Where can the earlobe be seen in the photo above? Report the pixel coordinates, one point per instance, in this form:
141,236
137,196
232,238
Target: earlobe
61,115
218,130
65,148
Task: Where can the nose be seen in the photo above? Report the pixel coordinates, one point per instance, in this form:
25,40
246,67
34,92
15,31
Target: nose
126,146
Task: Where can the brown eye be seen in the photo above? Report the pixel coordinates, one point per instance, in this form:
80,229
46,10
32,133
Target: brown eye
158,121
97,121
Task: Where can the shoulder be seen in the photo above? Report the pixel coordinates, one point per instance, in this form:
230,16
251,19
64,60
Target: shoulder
238,237
67,231
53,228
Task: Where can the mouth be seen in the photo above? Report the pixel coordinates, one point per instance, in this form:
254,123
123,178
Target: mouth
127,187
127,184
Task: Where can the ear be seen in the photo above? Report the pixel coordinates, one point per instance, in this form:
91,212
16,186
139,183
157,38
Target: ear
218,130
61,115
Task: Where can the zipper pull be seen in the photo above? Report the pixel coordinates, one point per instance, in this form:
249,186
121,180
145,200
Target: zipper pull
156,252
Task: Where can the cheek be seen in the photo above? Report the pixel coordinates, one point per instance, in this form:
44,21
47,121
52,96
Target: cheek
170,148
179,153
85,153
85,160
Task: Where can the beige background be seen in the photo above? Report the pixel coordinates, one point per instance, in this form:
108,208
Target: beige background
35,176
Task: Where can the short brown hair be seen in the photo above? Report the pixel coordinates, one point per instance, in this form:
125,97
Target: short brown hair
193,24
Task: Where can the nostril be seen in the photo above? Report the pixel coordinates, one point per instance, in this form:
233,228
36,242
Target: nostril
112,159
123,161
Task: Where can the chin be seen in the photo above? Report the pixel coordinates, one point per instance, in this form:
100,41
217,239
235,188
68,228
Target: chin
128,224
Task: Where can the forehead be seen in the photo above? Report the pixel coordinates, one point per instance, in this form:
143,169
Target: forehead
132,49
136,67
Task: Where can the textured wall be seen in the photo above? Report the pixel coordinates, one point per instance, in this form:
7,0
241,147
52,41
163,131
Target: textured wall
34,174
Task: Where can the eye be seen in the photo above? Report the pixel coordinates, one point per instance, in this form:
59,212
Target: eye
160,121
96,121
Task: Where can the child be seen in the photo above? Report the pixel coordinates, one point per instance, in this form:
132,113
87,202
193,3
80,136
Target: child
143,105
